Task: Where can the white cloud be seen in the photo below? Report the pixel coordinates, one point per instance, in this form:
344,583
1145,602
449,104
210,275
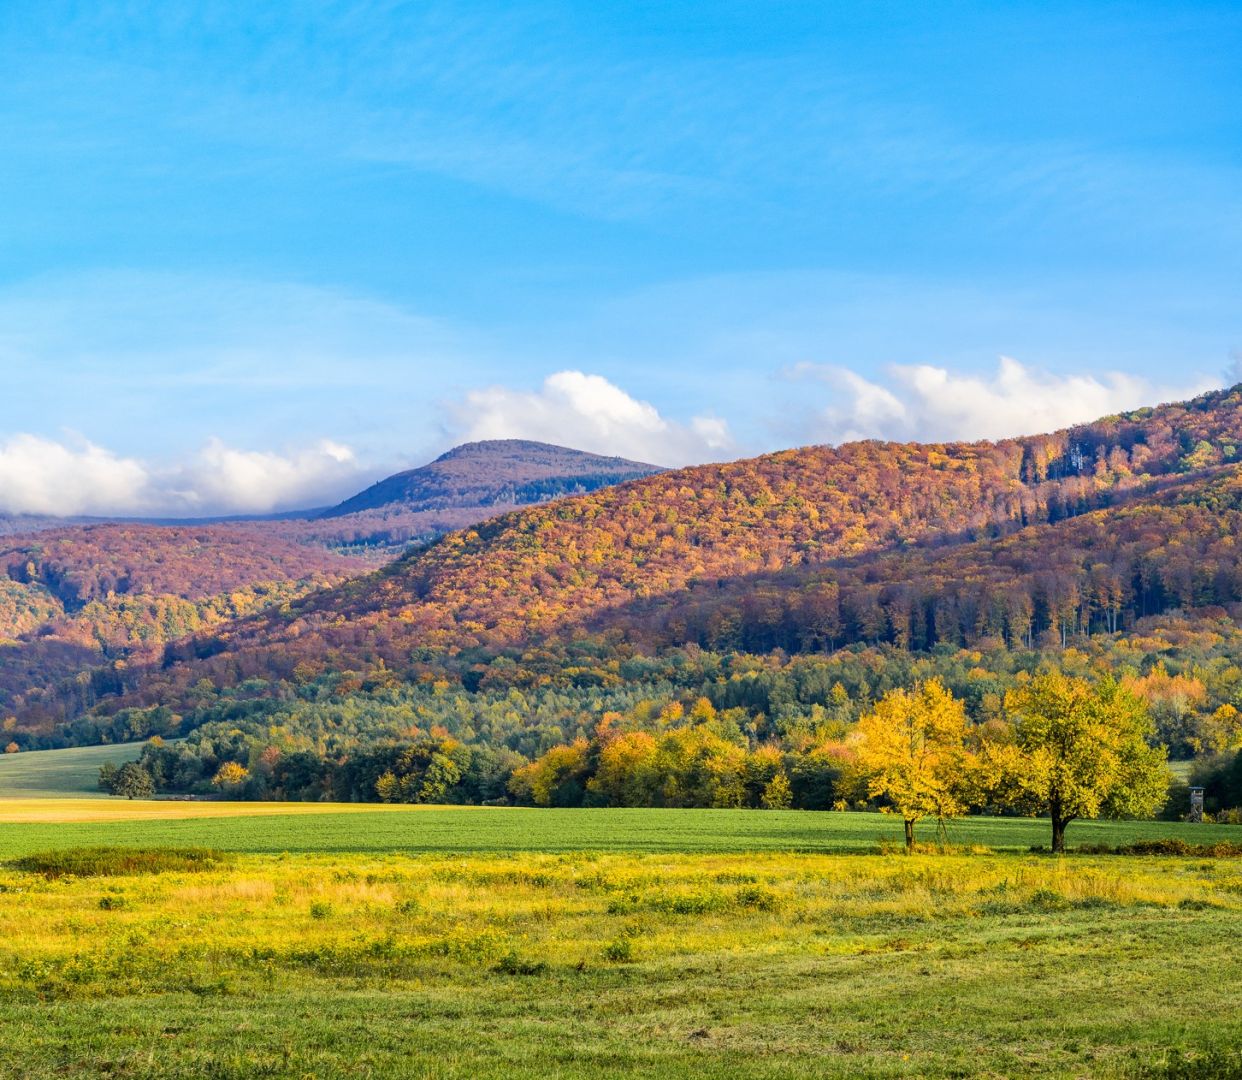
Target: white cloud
43,476
255,481
925,403
587,412
40,476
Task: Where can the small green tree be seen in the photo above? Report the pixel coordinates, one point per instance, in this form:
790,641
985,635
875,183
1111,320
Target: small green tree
388,787
912,753
107,777
777,794
1080,750
133,781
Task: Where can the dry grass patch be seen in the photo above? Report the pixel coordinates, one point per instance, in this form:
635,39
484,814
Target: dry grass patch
60,811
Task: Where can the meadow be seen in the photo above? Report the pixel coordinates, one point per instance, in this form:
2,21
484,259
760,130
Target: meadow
54,774
310,828
446,943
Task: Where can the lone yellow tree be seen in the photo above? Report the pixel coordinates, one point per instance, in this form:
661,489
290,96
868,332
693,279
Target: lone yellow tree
1080,750
912,753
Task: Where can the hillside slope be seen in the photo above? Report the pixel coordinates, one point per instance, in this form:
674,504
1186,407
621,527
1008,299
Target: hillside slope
566,563
1173,549
75,597
462,487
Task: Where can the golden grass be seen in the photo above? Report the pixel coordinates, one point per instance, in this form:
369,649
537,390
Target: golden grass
1012,965
561,910
57,811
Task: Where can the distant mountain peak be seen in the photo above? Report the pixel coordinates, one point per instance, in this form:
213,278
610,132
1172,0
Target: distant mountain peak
533,451
494,472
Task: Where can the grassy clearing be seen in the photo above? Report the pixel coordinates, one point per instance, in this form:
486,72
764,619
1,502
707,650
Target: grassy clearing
621,965
55,774
309,827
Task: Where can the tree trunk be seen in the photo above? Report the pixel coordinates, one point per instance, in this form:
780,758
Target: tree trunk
1058,833
909,824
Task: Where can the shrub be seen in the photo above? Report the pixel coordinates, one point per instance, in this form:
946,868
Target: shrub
757,897
320,909
689,903
512,964
1048,900
619,951
1173,845
1195,903
132,781
118,861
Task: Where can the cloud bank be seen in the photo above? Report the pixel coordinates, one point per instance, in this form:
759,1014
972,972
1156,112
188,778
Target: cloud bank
922,402
77,477
587,412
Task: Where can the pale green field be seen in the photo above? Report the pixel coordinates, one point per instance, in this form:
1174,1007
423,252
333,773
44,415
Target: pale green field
54,774
1181,769
311,828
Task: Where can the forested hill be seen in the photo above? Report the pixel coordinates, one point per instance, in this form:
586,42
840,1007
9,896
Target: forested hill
462,487
1047,585
82,564
499,472
571,562
77,597
73,598
466,485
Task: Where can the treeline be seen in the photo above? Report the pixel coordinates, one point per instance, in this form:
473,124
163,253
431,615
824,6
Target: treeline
1189,670
335,735
428,770
1063,745
652,755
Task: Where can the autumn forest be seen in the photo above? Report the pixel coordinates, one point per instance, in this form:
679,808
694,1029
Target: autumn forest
720,635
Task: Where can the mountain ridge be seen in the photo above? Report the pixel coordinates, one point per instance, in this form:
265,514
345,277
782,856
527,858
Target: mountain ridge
87,592
523,574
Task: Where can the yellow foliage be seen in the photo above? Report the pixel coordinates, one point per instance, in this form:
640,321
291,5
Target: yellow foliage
911,752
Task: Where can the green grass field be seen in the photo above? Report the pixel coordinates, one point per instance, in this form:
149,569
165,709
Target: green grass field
468,943
455,943
613,964
476,830
60,773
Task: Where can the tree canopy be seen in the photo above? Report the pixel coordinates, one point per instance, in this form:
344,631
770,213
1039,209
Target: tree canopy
1080,749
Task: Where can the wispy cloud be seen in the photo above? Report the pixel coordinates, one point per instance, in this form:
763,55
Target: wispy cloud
512,100
156,363
197,329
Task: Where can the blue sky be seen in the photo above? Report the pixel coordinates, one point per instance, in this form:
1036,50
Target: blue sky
254,254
